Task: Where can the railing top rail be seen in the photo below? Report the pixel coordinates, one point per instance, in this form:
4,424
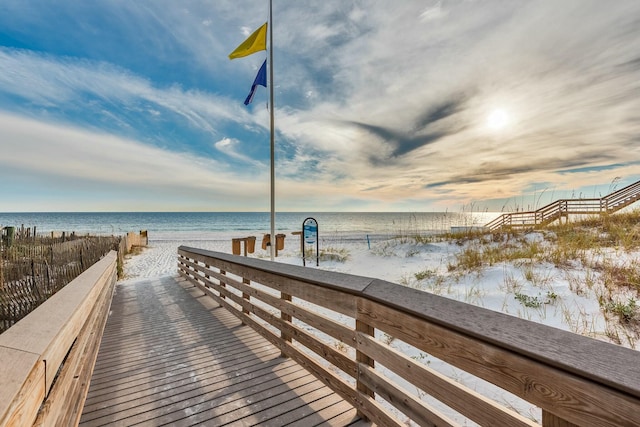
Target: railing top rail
497,222
550,206
631,189
610,365
589,200
622,196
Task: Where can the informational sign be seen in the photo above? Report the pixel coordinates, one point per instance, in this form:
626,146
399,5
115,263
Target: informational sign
310,237
310,231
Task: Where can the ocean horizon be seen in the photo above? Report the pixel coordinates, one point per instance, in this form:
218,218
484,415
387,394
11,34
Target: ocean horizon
211,225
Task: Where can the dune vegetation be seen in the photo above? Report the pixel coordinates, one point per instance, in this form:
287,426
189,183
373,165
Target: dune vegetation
556,267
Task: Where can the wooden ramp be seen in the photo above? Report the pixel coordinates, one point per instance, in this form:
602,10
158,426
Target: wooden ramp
172,357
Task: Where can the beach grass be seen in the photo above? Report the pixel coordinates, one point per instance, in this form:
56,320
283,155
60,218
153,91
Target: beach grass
594,255
330,253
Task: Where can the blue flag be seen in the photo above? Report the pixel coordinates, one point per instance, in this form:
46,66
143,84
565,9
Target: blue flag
261,79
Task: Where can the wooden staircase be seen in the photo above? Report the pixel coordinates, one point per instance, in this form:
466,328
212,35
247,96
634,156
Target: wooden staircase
564,207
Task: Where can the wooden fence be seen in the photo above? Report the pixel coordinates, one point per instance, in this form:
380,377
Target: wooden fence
136,239
33,269
46,359
338,326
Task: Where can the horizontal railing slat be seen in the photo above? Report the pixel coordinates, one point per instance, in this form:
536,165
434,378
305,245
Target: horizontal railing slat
322,323
541,385
416,410
282,282
333,356
475,406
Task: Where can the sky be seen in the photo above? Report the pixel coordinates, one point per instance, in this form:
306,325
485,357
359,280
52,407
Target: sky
380,105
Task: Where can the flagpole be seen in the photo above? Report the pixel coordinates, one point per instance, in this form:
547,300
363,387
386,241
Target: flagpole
272,120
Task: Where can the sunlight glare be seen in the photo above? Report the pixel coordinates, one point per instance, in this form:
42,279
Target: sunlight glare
498,119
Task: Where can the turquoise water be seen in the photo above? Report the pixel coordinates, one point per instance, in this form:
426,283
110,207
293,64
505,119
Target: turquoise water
179,225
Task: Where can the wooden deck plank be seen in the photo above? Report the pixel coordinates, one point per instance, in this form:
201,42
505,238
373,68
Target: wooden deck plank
184,374
230,406
245,410
319,408
171,386
160,362
170,356
169,404
183,390
165,349
139,361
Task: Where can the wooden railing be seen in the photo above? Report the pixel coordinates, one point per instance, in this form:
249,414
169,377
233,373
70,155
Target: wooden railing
46,359
338,326
563,208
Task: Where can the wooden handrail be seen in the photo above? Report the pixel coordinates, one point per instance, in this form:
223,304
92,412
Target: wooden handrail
574,379
46,359
607,204
629,190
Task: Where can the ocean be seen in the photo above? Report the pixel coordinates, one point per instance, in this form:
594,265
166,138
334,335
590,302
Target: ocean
217,225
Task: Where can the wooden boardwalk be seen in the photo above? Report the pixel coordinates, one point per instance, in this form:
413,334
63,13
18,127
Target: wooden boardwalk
170,356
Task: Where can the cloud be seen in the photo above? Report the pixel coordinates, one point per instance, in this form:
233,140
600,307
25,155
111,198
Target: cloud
433,13
399,97
71,87
440,111
400,143
73,155
569,103
429,127
230,147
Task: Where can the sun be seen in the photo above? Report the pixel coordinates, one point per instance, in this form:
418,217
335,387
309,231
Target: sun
497,119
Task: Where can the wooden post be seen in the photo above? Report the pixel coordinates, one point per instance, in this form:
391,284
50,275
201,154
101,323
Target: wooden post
286,317
235,246
246,296
362,358
222,284
238,243
206,276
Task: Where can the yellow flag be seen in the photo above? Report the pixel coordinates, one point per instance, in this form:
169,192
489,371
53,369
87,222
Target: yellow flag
254,43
